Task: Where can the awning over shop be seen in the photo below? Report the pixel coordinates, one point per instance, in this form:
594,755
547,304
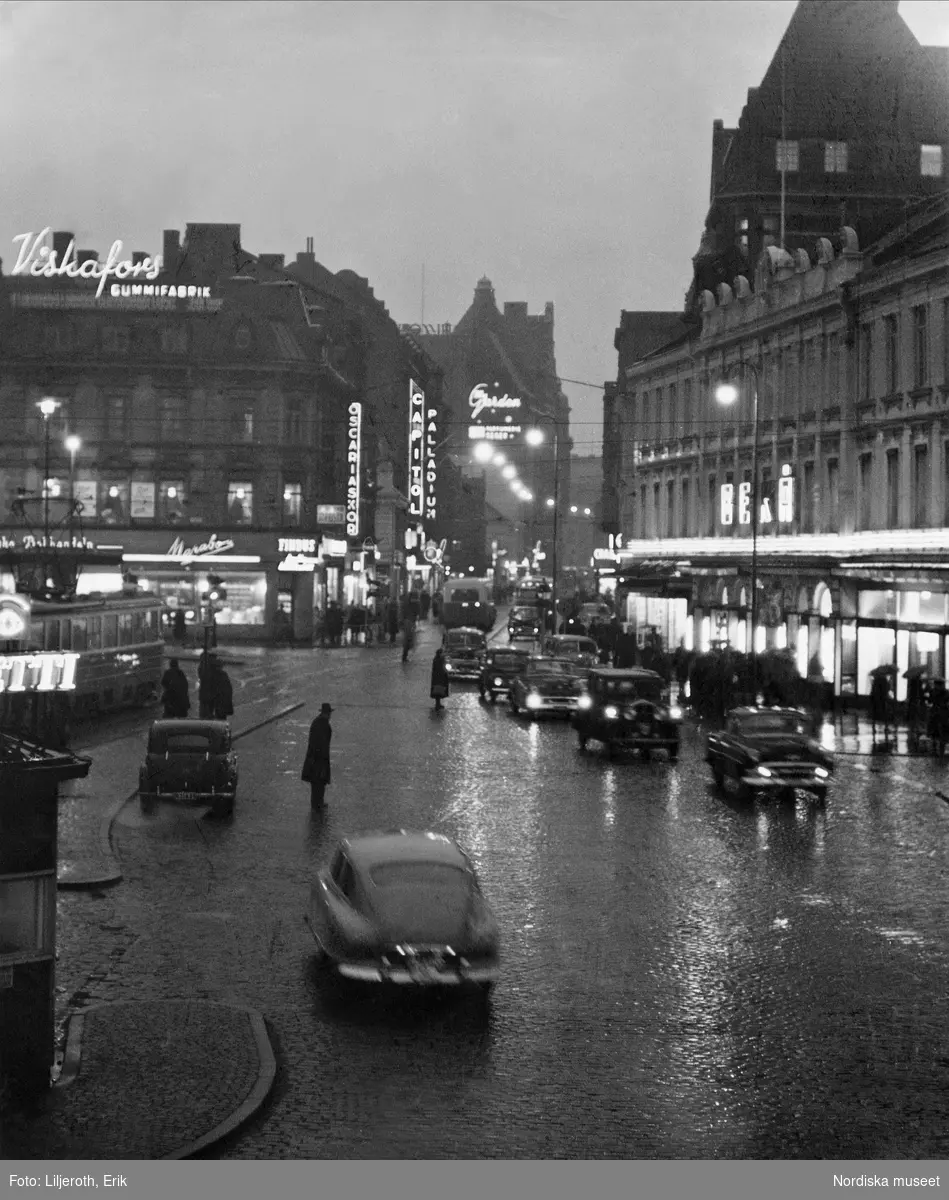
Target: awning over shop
656,578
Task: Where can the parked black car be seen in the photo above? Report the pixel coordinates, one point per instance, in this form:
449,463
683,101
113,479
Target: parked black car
189,762
500,666
769,750
628,710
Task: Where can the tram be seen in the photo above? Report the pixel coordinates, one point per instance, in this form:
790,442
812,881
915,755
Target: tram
119,643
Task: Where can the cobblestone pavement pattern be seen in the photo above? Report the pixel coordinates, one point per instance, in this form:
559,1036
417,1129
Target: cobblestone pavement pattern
683,976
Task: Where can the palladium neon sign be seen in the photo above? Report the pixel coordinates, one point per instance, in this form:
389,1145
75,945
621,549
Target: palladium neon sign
36,259
352,463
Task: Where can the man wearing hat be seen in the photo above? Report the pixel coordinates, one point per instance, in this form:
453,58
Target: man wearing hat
316,765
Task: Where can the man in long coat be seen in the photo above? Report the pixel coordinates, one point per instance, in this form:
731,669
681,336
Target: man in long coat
174,688
317,762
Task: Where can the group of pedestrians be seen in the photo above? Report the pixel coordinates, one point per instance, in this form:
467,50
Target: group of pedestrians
215,691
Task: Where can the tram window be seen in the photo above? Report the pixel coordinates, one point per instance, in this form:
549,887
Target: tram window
94,636
126,628
150,623
110,633
66,632
135,626
80,636
51,641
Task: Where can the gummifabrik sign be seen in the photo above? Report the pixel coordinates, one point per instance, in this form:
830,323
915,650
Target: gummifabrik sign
481,401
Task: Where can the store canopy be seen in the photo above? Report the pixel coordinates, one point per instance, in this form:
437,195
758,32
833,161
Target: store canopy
656,578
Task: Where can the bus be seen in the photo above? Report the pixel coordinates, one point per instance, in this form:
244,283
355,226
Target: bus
467,601
119,643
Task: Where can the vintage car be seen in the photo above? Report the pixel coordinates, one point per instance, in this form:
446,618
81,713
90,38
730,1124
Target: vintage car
769,749
464,649
500,666
404,908
189,762
581,650
546,685
628,709
523,622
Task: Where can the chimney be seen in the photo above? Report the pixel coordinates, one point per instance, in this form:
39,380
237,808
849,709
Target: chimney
61,242
138,256
170,249
83,256
273,261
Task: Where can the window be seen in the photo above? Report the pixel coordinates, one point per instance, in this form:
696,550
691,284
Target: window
171,498
171,418
835,157
930,160
809,383
945,483
786,156
670,509
115,339
657,429
240,503
712,507
114,503
642,509
684,509
292,503
57,337
945,341
920,346
244,422
891,327
293,420
865,478
892,489
174,340
246,598
808,499
687,404
117,415
674,429
654,523
832,507
921,486
867,361
832,396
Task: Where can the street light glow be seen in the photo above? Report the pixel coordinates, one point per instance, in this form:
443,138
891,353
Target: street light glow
73,443
483,452
726,393
509,472
550,502
534,437
47,406
586,512
573,508
499,459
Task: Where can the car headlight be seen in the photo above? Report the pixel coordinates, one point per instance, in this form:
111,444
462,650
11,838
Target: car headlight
449,667
765,772
533,700
611,712
675,713
585,701
822,773
498,682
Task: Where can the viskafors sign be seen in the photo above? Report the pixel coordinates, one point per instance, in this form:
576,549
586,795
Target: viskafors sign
37,259
354,446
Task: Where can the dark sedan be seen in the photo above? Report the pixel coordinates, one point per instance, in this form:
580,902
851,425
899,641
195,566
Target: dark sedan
464,649
546,685
190,762
500,667
523,622
769,750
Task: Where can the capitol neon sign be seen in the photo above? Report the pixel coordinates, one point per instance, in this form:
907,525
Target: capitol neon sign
36,259
479,399
417,455
352,463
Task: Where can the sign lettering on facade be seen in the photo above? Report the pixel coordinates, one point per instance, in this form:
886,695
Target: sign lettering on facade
493,433
735,504
331,514
479,399
214,545
431,429
44,672
296,545
29,541
38,260
430,330
334,547
417,456
353,470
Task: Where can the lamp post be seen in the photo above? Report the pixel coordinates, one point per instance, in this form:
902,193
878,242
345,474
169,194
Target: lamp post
727,393
47,407
534,438
72,444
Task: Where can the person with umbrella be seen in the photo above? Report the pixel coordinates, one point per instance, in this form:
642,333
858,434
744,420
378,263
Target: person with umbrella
881,698
916,678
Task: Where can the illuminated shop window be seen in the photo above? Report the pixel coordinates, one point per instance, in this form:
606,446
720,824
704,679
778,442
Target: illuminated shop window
930,160
835,157
240,503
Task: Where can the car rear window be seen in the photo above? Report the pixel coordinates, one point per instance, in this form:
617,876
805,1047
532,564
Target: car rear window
632,687
465,640
464,596
524,614
415,874
504,658
772,723
549,668
179,743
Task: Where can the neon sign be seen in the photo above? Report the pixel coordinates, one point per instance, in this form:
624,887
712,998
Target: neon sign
736,503
493,433
36,259
352,463
43,672
479,399
296,545
417,455
430,472
214,545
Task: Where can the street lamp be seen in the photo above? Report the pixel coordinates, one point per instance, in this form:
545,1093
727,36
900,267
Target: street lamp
535,437
727,393
72,444
483,452
47,407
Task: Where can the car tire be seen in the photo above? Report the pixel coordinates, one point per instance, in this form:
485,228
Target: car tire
582,740
514,707
481,696
223,807
719,776
820,795
147,801
674,753
494,697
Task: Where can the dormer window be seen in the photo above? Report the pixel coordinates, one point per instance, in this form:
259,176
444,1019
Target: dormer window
835,158
786,155
930,161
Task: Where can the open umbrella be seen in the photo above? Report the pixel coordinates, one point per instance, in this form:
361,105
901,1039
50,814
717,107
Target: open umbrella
884,669
917,673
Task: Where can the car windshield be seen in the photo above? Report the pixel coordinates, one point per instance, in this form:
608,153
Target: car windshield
419,874
464,596
461,640
508,658
553,667
640,688
765,723
524,614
